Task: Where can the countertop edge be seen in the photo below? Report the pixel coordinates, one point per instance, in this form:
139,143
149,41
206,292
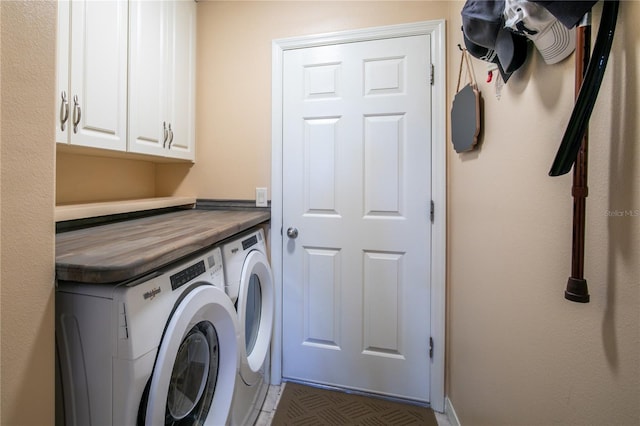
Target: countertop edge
88,210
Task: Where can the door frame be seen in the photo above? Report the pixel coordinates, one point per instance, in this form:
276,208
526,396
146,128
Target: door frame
436,30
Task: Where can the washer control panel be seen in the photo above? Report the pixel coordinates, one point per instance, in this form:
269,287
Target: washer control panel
208,264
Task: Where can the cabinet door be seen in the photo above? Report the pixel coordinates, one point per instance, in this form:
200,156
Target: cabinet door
98,74
148,60
181,108
161,78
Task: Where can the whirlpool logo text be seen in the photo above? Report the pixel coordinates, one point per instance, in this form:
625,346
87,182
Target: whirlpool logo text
151,293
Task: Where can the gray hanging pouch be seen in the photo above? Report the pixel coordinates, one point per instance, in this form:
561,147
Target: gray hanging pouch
465,111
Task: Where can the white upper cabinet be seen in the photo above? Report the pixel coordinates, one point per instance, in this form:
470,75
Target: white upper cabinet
162,78
92,74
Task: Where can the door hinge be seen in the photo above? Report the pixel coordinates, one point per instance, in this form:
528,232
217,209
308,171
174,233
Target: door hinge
431,347
432,211
433,72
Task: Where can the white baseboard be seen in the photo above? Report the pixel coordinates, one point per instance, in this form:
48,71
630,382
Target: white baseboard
451,412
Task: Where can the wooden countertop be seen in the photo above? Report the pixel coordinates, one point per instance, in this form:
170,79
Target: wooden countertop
120,251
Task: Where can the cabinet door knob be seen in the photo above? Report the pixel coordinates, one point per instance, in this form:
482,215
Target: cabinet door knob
170,136
77,113
165,134
64,110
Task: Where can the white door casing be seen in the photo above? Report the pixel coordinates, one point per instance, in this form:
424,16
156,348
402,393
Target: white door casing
388,212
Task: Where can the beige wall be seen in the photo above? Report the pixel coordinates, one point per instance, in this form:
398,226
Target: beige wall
27,199
518,352
85,178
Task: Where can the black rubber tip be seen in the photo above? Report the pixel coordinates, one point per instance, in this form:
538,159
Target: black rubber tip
577,290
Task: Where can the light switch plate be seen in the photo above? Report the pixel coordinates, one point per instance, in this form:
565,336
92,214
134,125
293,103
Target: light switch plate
261,197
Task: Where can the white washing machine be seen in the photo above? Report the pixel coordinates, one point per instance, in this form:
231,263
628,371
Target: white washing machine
249,284
162,349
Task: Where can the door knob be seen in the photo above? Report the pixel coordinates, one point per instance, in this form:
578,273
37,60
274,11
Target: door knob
292,232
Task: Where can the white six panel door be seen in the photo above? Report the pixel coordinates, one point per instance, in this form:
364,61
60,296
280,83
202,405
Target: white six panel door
357,188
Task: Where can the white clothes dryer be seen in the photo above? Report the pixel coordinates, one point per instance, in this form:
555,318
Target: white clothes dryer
157,350
249,284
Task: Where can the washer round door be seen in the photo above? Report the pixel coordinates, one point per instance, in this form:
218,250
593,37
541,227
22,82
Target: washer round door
194,376
256,304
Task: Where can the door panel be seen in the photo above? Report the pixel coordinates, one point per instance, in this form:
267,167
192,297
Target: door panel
98,74
147,67
182,80
357,182
162,78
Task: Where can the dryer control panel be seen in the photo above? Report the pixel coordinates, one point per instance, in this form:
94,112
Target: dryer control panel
250,242
181,278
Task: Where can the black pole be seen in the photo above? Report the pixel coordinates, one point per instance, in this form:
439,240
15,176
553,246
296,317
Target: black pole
579,120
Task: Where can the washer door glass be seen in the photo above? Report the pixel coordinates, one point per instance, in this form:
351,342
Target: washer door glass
253,313
193,378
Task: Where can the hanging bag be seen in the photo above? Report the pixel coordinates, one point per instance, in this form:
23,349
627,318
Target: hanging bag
465,111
